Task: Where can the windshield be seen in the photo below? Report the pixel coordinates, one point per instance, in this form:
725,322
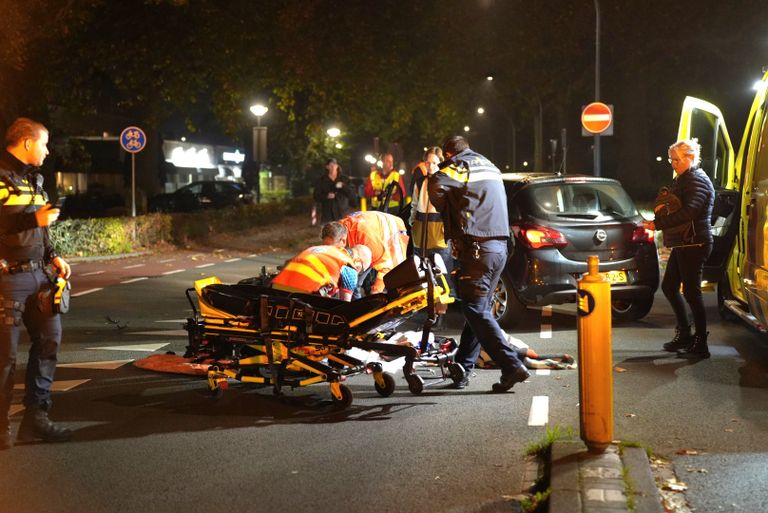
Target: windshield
578,200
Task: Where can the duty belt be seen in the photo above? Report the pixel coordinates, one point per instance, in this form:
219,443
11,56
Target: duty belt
27,266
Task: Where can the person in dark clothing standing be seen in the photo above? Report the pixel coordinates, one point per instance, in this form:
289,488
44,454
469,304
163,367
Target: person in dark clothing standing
468,192
25,252
689,234
333,193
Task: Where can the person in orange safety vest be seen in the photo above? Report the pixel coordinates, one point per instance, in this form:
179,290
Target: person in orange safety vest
384,234
325,270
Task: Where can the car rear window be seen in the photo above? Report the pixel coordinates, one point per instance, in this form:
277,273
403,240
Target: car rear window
578,199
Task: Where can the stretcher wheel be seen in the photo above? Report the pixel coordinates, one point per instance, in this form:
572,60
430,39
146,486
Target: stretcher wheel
415,384
456,371
345,400
388,384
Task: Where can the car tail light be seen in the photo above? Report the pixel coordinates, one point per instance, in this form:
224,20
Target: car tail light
642,235
538,237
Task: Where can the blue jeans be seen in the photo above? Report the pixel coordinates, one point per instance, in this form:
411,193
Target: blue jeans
476,282
18,298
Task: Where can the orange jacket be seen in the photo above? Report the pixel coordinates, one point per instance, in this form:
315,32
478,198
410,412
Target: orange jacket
384,234
313,269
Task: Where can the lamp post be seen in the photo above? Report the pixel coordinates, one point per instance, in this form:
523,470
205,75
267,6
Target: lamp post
596,146
259,145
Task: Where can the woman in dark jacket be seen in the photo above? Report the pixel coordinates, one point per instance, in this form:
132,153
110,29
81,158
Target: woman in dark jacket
688,232
333,193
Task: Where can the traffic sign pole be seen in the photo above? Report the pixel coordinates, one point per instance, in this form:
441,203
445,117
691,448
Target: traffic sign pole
133,140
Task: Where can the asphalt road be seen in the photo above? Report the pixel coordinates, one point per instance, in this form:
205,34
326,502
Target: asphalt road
158,442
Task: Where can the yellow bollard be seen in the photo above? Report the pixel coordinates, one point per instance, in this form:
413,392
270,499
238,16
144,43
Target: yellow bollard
363,205
595,363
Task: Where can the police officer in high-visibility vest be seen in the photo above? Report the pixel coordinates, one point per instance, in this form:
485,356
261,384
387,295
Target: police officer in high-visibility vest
25,252
469,194
378,182
329,271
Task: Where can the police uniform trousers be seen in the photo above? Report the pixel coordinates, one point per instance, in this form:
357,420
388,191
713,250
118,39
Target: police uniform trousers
479,267
18,298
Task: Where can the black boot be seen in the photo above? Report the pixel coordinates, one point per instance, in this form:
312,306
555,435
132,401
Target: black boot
681,340
508,379
5,436
37,426
698,347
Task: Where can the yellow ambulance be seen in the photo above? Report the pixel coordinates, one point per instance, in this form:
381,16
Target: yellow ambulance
739,260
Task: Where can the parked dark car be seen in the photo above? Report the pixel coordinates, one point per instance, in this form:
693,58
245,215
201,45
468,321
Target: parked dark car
92,203
202,195
557,222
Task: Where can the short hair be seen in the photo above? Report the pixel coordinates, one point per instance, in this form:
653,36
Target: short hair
436,150
455,144
23,128
690,147
335,231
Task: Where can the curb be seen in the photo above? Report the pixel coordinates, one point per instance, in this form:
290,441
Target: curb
581,482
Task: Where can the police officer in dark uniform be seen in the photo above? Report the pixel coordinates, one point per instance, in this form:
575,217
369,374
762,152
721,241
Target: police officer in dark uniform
25,252
469,194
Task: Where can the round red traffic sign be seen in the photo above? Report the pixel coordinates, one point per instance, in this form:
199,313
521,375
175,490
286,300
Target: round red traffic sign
596,117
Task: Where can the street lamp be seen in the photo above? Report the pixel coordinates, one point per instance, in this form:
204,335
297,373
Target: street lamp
466,128
480,110
259,145
333,132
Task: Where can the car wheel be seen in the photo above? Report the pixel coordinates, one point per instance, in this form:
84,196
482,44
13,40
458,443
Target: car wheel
506,308
723,294
631,310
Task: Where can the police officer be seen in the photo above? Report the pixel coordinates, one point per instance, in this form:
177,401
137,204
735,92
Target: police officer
469,194
25,251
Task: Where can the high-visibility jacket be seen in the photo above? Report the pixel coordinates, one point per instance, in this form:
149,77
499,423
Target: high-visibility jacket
21,194
423,213
377,184
313,269
384,234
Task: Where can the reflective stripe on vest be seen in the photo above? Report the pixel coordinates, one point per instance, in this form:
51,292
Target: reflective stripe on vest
314,268
379,185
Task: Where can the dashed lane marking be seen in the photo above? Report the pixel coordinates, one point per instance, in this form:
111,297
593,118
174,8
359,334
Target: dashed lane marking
162,333
539,415
173,320
105,365
543,372
174,271
546,331
233,260
58,385
166,260
134,266
89,291
92,273
133,280
201,266
144,348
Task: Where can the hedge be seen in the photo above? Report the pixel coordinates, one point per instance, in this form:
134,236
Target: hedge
117,235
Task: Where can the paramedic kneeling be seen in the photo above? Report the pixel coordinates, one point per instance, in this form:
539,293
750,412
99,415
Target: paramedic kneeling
325,270
469,194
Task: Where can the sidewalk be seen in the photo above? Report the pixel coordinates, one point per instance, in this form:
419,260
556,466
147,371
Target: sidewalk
581,482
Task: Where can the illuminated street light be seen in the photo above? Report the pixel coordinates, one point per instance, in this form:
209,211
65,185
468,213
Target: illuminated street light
525,163
259,110
339,146
489,78
480,110
333,132
658,159
466,128
370,159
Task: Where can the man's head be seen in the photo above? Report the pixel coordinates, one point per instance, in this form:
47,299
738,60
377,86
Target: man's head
361,257
332,165
27,140
454,145
387,163
334,234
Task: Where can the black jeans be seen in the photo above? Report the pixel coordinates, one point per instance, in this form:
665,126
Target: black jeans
685,267
476,283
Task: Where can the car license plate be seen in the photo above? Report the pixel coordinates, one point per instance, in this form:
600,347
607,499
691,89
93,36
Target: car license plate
616,276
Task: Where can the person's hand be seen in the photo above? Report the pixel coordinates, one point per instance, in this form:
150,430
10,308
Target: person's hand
649,225
331,195
46,215
339,185
62,268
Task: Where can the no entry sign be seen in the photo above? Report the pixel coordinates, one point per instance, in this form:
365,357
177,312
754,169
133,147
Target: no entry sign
597,118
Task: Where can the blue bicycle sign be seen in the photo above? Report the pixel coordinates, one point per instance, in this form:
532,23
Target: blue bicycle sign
133,139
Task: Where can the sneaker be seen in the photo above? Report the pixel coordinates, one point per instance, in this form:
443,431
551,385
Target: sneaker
508,380
681,340
461,383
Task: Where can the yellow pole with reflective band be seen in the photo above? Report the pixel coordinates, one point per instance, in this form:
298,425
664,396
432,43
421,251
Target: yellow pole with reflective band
363,205
595,363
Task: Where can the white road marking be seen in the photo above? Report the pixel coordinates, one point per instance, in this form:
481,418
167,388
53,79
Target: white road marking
546,311
546,331
92,273
539,415
543,372
195,257
134,266
173,320
166,260
203,265
233,260
252,256
174,271
106,365
78,294
132,280
58,385
162,333
145,348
